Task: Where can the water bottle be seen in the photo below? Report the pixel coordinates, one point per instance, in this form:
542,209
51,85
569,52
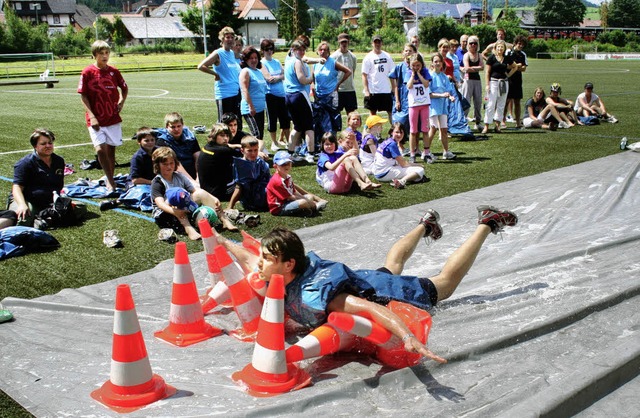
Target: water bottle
623,143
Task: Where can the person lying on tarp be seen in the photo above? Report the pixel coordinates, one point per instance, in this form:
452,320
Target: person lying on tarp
317,287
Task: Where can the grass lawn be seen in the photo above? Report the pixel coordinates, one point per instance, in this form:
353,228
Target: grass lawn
82,259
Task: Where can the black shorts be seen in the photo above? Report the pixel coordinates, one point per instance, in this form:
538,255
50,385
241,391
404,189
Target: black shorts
277,111
300,111
348,101
515,91
426,284
379,101
230,105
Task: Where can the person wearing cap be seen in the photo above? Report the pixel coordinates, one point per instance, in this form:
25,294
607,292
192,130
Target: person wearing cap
563,106
377,86
174,210
370,140
223,65
286,198
347,99
589,104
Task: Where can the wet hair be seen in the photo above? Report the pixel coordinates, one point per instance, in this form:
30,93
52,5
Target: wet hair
228,117
329,136
173,117
217,129
248,141
246,54
37,133
144,132
99,46
397,125
286,245
162,154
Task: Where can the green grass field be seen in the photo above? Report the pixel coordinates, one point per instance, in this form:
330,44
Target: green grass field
82,259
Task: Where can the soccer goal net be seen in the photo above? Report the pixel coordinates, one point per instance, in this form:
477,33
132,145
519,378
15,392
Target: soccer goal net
31,65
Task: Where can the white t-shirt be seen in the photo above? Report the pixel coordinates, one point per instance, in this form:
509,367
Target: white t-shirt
583,95
377,68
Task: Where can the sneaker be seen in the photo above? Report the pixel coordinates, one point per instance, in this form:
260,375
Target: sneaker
108,204
398,184
111,240
510,119
448,155
167,235
296,158
275,148
412,159
476,128
612,119
495,218
251,221
553,126
309,158
321,205
432,228
428,158
563,125
200,129
40,224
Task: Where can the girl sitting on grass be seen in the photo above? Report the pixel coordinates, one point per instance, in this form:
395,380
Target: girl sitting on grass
390,166
174,209
337,170
370,142
354,122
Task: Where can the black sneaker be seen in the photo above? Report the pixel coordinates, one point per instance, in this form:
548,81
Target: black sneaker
109,204
432,228
495,218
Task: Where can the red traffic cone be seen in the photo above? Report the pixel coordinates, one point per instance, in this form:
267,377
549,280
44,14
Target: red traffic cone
419,321
186,321
131,384
268,373
209,239
216,296
258,285
245,303
326,339
250,243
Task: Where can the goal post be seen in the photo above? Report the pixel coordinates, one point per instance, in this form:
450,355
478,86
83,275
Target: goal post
27,65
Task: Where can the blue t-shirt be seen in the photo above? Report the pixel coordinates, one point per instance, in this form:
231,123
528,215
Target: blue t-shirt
291,82
228,70
38,180
141,165
184,147
325,158
274,68
309,294
440,84
326,77
401,74
252,177
257,91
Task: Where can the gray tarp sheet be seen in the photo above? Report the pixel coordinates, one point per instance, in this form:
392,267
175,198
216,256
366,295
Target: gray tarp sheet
547,321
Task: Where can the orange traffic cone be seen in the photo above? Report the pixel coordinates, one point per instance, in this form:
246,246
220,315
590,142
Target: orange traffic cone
326,339
131,384
215,297
250,243
209,239
186,321
245,302
258,285
268,373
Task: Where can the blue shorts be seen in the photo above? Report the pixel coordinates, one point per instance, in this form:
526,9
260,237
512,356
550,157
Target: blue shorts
426,284
292,208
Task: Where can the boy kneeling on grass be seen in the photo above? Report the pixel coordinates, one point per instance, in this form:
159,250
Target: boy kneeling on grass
251,174
174,198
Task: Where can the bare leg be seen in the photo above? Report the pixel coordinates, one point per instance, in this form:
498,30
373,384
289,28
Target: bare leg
459,263
310,140
403,249
444,137
107,158
517,110
294,140
190,230
4,222
413,143
202,197
284,136
355,170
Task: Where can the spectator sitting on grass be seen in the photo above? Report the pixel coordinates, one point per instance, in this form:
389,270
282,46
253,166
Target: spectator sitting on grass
563,106
165,213
251,174
284,197
354,122
589,104
236,134
215,163
337,170
540,114
183,142
389,164
370,142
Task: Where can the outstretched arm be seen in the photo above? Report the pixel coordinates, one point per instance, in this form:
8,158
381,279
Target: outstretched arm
384,317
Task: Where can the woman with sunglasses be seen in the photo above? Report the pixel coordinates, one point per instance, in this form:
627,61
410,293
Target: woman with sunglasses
273,72
472,84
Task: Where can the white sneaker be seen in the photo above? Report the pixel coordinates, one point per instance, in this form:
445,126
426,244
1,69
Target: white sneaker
448,155
510,119
321,205
563,125
612,119
309,158
275,148
297,158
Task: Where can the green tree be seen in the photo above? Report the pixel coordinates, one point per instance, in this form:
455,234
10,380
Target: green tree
432,29
220,13
104,29
71,42
367,25
559,12
623,14
286,17
326,30
119,32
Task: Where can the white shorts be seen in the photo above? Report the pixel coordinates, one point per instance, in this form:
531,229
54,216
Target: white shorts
439,121
528,122
110,135
397,172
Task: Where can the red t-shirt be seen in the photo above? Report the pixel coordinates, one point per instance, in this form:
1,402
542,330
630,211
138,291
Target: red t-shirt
101,87
448,67
278,192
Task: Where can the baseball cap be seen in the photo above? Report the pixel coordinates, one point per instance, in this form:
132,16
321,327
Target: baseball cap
343,37
281,158
588,86
376,38
374,120
180,198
